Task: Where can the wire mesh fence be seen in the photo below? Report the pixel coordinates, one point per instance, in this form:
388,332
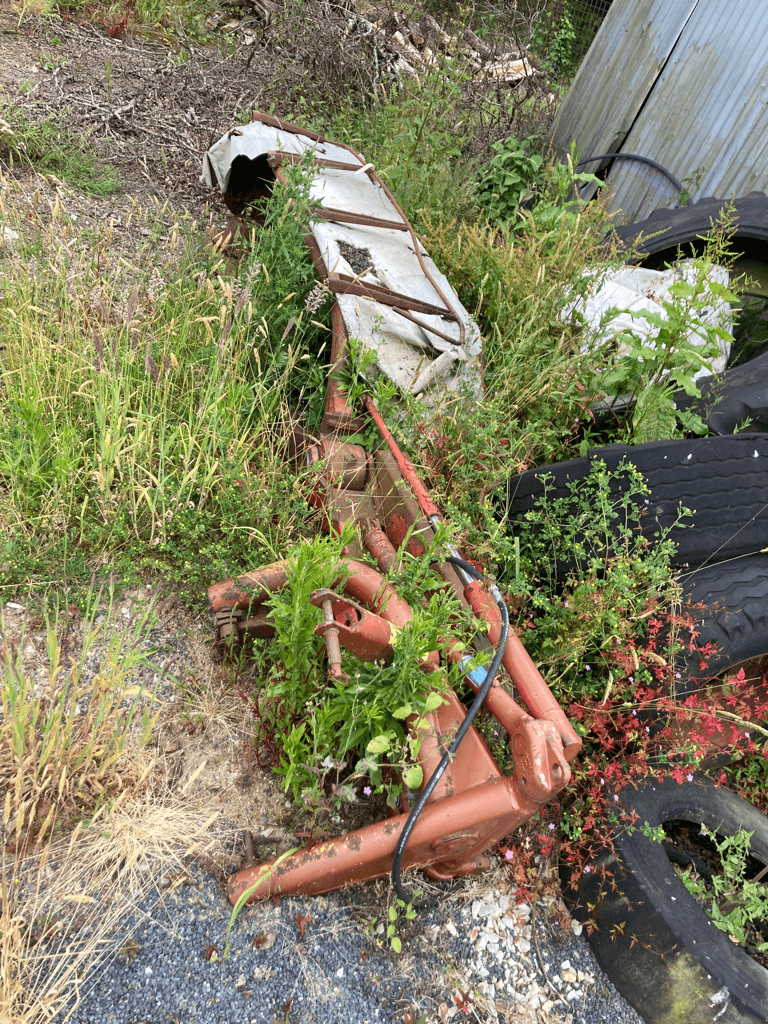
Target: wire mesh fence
558,32
586,16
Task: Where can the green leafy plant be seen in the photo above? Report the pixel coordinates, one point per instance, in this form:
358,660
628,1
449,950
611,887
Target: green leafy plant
345,742
401,912
736,904
694,181
510,173
649,368
553,39
585,573
558,204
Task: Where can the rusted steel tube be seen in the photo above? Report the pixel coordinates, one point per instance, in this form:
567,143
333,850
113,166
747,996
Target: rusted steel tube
331,636
452,832
517,661
362,583
368,636
381,548
406,467
537,695
501,705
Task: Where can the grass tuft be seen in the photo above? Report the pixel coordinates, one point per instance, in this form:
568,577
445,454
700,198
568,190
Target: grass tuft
43,144
64,909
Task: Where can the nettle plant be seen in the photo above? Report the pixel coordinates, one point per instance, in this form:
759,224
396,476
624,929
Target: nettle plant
664,355
736,903
510,173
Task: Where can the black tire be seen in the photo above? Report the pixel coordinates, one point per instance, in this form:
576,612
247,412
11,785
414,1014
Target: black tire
723,480
666,230
739,396
653,940
729,605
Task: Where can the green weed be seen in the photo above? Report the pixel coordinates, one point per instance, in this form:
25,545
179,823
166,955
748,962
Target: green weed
512,170
339,742
650,368
143,418
586,576
411,137
43,144
61,742
736,904
538,385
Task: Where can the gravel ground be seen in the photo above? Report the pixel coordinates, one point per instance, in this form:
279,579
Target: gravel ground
473,950
318,961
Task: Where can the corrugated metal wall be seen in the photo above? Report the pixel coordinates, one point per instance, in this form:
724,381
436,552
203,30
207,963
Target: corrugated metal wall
687,81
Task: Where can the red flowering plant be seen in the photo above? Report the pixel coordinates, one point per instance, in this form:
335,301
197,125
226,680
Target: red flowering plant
600,607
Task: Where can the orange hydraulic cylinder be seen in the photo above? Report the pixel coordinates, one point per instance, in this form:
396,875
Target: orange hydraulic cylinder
536,695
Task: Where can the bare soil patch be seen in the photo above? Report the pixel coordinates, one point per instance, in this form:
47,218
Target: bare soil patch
149,110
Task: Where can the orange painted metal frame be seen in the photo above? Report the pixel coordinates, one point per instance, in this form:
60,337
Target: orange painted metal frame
475,804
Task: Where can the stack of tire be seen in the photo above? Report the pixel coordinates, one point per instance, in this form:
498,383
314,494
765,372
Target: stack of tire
653,939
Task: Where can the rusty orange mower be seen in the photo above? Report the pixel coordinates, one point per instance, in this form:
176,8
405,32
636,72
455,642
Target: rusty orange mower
466,804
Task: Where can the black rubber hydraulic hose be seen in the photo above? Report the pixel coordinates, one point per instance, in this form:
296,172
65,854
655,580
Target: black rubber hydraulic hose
633,156
482,693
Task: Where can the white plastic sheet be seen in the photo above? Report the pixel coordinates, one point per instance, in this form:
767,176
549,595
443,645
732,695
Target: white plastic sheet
418,361
635,289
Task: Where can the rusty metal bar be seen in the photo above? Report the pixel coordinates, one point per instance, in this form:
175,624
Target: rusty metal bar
404,464
343,284
346,217
278,157
449,840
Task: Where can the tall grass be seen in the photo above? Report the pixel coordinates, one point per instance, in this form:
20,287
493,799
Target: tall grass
86,828
537,382
63,735
43,142
142,414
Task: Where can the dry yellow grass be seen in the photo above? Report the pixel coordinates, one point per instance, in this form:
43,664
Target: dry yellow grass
64,907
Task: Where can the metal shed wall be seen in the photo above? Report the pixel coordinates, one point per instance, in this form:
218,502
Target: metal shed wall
688,81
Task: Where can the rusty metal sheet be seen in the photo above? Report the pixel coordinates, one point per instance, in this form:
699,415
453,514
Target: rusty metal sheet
422,351
706,118
619,70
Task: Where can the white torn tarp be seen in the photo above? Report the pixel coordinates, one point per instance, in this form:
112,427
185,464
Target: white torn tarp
421,351
608,310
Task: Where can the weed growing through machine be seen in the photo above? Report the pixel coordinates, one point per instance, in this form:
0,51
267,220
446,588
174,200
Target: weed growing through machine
146,395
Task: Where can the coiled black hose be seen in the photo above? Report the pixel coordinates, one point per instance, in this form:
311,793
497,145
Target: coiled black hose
482,693
633,156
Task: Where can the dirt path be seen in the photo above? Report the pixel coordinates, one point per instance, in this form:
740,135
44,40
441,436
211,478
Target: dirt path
145,108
